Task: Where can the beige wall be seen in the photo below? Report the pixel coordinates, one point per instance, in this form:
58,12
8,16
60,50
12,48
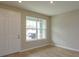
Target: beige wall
33,44
65,30
24,13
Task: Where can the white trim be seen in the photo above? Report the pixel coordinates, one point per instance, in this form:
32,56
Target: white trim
67,48
33,47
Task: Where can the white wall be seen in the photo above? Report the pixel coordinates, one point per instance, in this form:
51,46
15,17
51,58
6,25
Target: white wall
65,30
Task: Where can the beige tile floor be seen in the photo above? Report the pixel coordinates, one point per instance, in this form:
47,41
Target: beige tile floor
47,51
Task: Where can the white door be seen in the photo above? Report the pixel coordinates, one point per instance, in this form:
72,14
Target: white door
10,25
2,34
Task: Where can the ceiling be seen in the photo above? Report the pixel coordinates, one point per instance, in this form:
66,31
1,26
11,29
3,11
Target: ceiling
45,7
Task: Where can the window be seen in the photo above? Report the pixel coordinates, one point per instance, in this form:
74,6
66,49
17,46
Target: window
35,28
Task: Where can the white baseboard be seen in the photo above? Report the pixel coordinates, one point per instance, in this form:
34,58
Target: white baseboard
34,47
67,48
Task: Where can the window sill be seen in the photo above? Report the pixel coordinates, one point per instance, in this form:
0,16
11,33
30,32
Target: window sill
35,40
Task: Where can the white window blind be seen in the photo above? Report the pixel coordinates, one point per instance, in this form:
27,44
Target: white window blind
35,28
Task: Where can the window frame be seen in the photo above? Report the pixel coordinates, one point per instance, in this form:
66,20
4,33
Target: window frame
37,19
